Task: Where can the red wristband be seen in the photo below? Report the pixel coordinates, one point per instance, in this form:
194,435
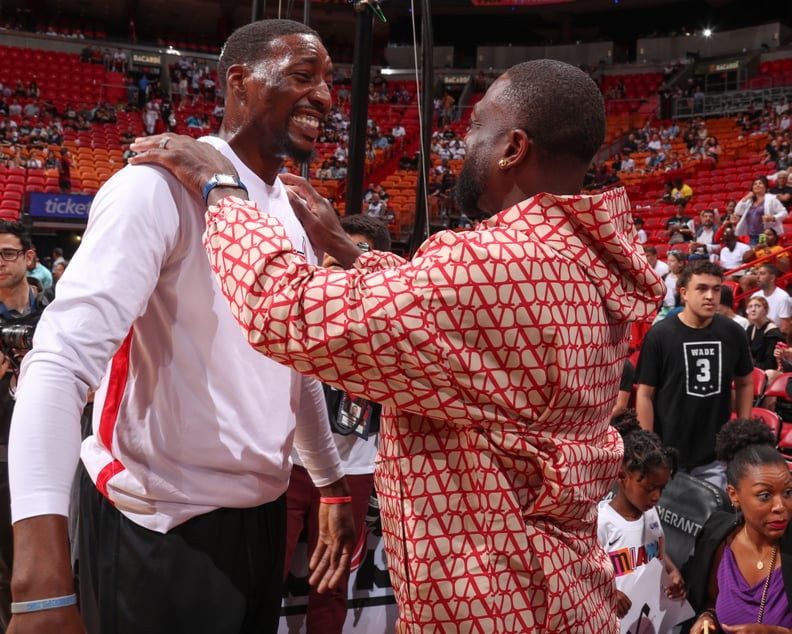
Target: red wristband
344,499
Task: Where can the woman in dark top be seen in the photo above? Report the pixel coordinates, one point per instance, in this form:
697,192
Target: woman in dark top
739,577
763,334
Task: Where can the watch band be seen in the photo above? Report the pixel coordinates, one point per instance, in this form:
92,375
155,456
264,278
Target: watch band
222,180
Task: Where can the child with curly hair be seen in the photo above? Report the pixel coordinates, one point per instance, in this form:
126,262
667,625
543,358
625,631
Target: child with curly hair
629,527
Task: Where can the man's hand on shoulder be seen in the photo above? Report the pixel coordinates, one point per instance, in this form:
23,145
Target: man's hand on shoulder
192,162
320,221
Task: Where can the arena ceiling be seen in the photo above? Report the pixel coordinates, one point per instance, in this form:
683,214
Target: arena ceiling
455,22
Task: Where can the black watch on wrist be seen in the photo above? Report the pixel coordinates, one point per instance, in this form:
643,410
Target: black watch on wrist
222,180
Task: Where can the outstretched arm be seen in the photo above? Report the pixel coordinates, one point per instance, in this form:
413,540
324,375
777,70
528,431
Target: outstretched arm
194,163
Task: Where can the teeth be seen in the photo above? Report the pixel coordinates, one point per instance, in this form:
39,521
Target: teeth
311,122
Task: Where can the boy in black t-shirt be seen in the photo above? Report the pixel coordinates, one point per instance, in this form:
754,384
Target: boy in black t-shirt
687,364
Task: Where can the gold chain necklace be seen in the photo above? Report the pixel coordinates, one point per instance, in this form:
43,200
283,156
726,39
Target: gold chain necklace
759,564
763,601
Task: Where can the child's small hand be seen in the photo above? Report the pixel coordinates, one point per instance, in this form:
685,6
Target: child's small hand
676,589
623,604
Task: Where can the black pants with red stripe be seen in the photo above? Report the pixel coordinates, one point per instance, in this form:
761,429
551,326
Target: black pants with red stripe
218,573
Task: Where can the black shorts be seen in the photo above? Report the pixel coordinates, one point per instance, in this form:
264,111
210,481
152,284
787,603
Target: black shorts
220,572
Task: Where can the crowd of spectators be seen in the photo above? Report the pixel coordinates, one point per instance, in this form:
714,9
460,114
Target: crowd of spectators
657,143
727,239
32,129
32,125
380,91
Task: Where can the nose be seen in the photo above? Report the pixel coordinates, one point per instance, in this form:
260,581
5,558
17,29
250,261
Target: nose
780,505
321,97
655,498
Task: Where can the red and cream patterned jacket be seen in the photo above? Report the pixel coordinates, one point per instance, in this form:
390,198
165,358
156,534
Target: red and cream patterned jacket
496,354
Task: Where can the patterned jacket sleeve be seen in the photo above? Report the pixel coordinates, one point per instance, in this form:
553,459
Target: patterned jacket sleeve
385,329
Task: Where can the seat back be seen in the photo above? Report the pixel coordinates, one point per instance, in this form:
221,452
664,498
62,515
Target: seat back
683,508
779,386
759,382
770,418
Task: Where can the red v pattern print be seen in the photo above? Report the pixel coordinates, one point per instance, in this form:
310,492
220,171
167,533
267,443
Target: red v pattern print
496,354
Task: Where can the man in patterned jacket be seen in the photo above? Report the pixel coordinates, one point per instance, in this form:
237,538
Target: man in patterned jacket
496,354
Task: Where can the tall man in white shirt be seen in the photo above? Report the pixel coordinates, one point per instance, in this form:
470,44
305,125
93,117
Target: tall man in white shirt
778,299
182,509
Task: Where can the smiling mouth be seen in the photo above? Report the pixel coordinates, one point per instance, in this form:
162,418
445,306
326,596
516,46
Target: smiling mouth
306,121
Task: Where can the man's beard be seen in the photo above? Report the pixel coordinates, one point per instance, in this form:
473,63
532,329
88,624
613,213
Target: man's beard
289,149
298,154
468,190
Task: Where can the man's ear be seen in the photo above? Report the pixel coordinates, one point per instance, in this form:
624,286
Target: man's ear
235,80
518,147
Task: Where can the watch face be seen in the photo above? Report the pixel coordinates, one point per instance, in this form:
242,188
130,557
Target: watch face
226,179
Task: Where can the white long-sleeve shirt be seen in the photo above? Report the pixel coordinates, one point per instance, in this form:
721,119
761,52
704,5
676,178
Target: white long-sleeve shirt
188,417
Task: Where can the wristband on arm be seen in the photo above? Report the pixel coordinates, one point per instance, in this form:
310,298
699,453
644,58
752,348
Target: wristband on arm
344,499
22,607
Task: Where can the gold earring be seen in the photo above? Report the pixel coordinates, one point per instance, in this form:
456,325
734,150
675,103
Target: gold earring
503,163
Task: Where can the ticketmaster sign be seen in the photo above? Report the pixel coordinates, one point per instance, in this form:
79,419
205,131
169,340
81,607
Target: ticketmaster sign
60,206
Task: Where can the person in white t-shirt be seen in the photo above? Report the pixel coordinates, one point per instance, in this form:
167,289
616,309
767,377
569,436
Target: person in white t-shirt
639,229
628,526
398,134
659,267
732,252
778,299
628,164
